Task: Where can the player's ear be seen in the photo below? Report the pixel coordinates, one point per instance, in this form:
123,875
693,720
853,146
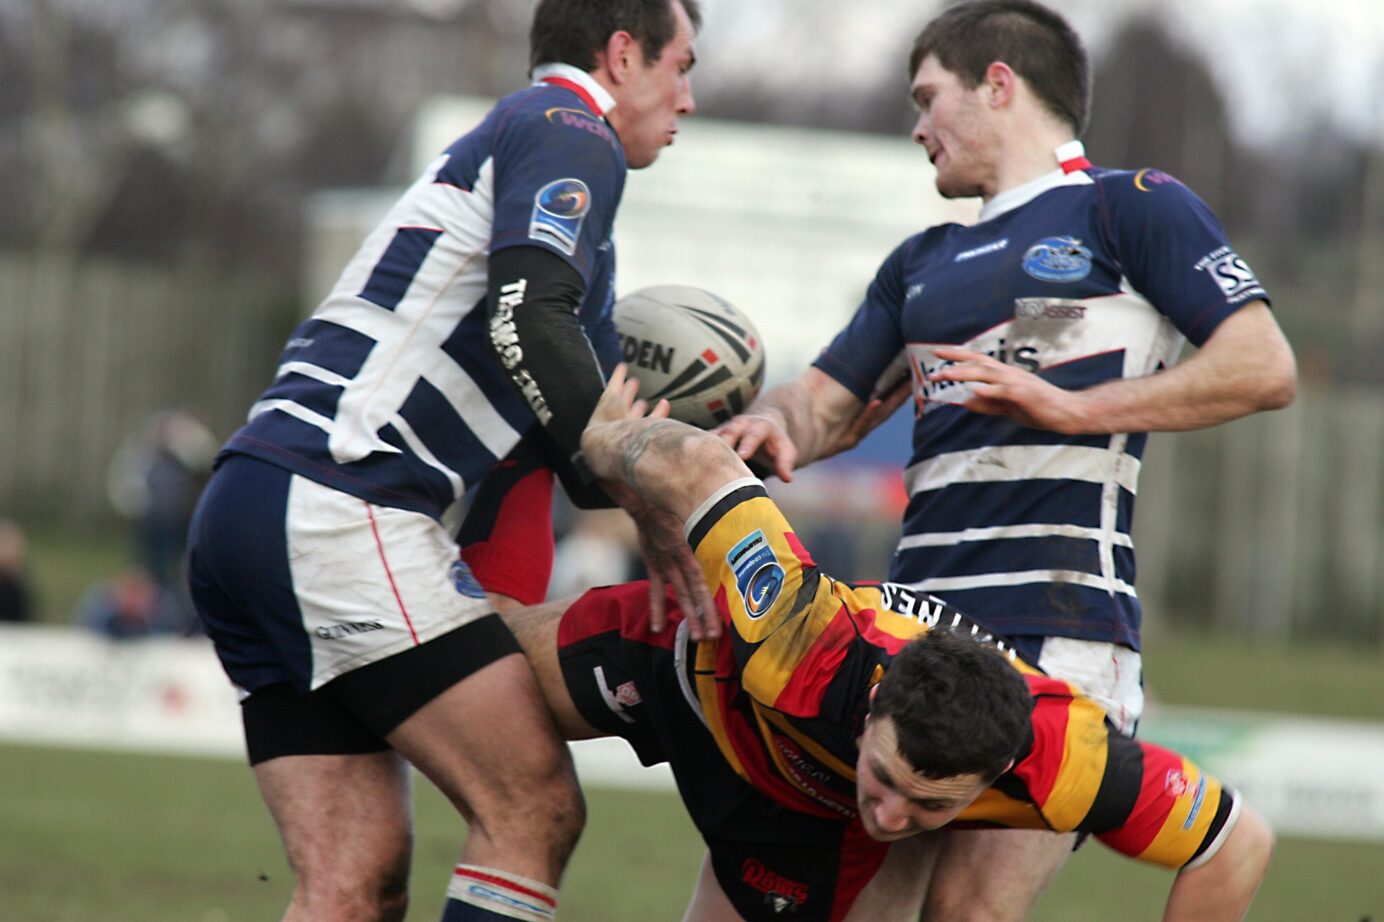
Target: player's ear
1001,82
619,56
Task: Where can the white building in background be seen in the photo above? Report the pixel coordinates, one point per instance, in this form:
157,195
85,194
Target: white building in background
789,224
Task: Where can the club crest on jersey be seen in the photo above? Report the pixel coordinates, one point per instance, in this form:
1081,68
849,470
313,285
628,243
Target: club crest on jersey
559,209
758,573
1058,259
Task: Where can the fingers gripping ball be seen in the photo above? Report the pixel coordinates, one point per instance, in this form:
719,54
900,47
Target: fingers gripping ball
693,348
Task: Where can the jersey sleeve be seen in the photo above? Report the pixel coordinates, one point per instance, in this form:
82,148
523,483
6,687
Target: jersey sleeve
1142,800
862,352
787,634
557,185
1174,251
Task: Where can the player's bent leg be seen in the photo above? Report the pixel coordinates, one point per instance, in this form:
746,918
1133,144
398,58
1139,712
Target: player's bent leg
1221,889
897,889
535,628
489,743
993,875
349,854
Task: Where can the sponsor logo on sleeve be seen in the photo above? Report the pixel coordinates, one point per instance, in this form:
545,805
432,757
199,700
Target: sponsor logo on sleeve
1058,259
582,121
559,209
1231,273
1145,180
758,574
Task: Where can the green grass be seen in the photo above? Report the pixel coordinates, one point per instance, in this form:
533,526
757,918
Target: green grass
121,837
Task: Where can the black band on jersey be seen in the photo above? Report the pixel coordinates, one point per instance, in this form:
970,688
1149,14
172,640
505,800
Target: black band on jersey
536,334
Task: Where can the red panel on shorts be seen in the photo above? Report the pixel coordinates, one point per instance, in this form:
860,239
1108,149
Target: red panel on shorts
623,608
517,558
861,857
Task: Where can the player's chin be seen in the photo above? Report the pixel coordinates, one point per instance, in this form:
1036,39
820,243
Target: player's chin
881,835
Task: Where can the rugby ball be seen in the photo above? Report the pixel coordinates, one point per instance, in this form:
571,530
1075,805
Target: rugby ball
692,348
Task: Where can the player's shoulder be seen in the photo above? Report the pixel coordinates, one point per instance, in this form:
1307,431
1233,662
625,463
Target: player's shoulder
926,243
554,115
1150,186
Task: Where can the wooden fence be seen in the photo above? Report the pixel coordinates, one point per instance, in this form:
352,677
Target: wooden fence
89,351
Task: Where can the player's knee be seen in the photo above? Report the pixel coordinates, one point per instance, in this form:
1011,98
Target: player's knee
561,813
376,897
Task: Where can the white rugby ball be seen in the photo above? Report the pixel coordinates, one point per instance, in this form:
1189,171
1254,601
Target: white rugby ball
692,348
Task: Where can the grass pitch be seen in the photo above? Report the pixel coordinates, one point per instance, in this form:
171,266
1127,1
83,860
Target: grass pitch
119,837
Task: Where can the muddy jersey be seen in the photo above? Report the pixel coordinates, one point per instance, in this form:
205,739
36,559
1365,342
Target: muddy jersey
785,692
1081,277
391,390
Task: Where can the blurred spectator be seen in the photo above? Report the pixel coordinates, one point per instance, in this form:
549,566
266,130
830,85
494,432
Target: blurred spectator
154,480
599,549
16,603
129,605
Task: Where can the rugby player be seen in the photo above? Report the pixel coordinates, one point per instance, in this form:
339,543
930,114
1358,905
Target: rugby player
1041,344
832,723
476,314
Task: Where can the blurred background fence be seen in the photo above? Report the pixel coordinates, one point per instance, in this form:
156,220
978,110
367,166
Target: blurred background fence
88,349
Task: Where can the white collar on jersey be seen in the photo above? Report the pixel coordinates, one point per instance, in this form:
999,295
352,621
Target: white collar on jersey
1010,199
581,78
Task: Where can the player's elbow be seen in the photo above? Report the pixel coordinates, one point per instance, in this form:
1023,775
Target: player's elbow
1278,384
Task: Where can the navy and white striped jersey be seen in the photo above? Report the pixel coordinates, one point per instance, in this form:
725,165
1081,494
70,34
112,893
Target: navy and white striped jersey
391,390
1081,277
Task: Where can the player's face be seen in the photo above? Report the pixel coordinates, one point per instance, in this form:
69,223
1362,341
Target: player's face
656,95
953,126
895,801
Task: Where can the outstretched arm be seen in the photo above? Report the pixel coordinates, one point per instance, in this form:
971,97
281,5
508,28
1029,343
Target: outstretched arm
807,419
1244,367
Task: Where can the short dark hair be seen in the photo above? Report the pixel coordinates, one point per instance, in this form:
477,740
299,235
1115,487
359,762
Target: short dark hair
573,31
959,706
1036,42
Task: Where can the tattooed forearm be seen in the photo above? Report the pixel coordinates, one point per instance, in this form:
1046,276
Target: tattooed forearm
665,437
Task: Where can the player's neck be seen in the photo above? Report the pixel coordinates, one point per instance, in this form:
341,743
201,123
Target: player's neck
1027,155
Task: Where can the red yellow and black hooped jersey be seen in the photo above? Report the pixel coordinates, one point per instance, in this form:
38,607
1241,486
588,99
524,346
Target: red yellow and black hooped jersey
785,691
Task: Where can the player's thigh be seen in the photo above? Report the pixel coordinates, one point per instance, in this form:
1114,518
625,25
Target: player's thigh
536,628
993,874
357,838
491,745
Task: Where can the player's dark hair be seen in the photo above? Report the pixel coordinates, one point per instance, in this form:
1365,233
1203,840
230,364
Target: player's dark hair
573,31
958,706
1036,43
